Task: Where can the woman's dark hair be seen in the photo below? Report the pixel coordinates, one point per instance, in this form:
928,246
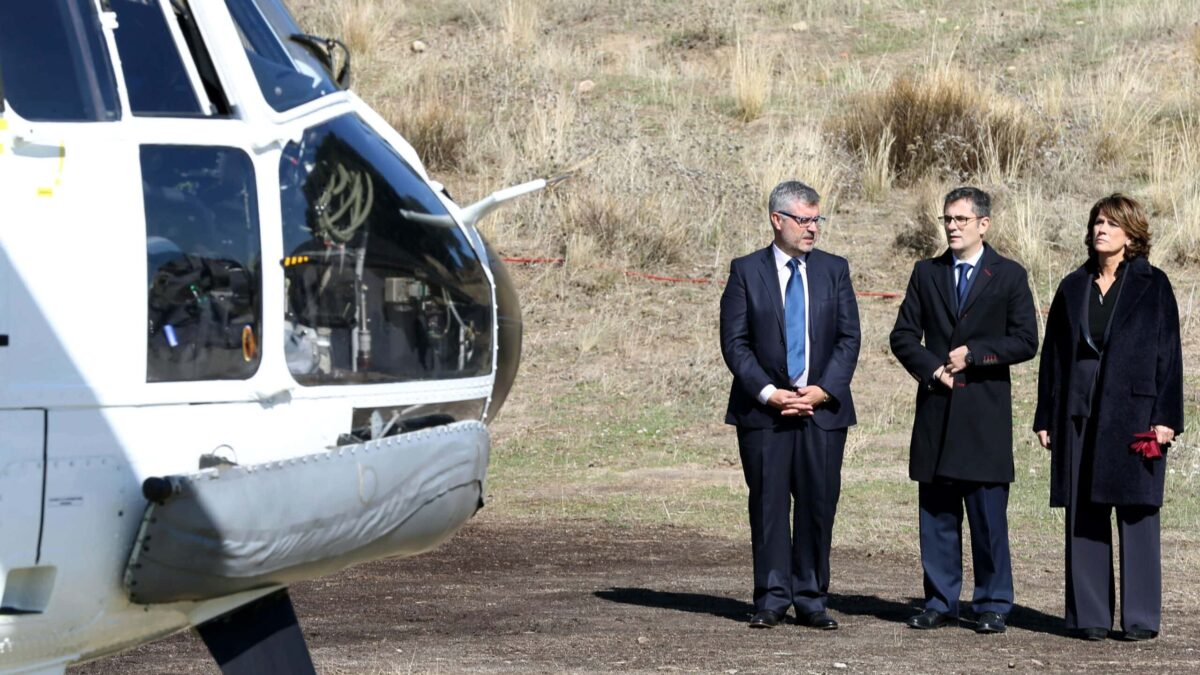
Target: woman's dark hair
1128,214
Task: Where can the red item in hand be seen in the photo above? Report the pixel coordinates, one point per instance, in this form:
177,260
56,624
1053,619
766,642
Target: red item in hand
1146,445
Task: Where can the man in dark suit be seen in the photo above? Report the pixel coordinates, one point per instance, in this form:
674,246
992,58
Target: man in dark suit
789,334
966,317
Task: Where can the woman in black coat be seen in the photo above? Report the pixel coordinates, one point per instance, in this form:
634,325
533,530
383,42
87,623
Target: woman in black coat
1111,368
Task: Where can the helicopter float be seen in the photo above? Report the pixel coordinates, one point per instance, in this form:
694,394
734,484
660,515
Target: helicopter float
244,339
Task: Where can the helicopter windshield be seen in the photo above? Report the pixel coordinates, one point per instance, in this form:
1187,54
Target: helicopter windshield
288,74
53,61
381,285
155,74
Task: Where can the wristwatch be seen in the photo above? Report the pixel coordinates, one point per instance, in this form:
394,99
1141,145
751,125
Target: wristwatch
969,358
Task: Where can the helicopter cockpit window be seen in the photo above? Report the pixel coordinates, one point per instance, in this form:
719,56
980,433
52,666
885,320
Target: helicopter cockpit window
155,74
381,285
203,263
287,72
54,63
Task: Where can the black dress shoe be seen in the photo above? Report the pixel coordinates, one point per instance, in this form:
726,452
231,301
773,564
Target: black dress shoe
1136,634
990,622
930,618
1089,634
819,620
765,618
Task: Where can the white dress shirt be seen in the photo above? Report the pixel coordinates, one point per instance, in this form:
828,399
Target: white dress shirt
785,275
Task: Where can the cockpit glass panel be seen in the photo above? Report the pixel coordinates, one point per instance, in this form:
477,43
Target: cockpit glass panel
381,284
155,76
203,263
286,72
54,63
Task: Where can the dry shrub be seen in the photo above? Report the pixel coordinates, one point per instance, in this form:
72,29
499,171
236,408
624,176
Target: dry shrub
707,36
924,235
750,79
436,127
876,175
943,122
364,25
640,228
796,154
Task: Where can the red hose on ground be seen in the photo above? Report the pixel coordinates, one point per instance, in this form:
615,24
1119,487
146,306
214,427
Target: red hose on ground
517,260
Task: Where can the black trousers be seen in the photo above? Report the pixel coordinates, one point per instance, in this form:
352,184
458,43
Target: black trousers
802,464
1090,586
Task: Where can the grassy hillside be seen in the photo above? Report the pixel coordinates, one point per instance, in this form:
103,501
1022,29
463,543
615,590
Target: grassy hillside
678,117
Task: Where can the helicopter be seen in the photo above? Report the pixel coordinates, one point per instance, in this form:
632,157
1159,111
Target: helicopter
245,340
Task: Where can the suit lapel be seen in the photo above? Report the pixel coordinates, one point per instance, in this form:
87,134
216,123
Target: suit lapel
983,276
943,280
770,280
1075,289
1132,289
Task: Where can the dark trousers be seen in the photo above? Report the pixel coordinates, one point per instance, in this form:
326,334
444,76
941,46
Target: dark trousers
799,462
1090,587
941,505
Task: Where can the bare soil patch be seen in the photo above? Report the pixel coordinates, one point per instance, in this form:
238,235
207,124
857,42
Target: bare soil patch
514,596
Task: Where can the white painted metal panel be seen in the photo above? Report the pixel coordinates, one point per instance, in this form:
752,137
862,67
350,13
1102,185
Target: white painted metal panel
21,449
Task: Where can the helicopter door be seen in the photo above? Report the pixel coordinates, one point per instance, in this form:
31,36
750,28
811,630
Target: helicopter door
22,482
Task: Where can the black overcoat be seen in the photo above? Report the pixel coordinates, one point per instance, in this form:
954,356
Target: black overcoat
754,338
1140,383
964,433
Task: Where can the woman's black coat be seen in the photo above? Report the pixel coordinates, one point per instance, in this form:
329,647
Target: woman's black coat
1140,384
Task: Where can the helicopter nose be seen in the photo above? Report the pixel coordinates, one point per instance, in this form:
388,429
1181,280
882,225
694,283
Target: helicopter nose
508,313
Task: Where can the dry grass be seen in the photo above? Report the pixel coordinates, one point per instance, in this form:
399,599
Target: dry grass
435,125
1174,193
1120,110
365,25
800,154
750,79
1194,45
924,236
876,174
520,21
943,122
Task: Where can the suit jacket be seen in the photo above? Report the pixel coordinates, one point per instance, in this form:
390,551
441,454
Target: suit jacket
1140,383
754,338
965,433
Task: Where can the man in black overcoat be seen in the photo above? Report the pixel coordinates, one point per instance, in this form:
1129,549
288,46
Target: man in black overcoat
790,336
966,317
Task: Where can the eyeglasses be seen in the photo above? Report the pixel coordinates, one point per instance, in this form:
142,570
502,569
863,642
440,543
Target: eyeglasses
960,220
804,221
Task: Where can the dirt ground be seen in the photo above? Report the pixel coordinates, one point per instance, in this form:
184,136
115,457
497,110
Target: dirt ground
506,596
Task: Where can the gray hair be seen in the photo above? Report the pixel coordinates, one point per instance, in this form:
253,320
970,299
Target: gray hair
789,191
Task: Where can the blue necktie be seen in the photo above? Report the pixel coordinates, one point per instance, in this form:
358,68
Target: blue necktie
964,270
793,312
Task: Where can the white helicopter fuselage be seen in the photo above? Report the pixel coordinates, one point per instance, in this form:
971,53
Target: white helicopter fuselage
104,383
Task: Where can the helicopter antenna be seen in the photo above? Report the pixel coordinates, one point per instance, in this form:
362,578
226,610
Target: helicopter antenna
471,215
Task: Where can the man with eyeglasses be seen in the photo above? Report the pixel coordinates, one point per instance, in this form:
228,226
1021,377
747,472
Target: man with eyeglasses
966,317
790,335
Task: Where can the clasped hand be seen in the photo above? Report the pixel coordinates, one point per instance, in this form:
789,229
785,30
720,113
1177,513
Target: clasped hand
799,403
956,363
